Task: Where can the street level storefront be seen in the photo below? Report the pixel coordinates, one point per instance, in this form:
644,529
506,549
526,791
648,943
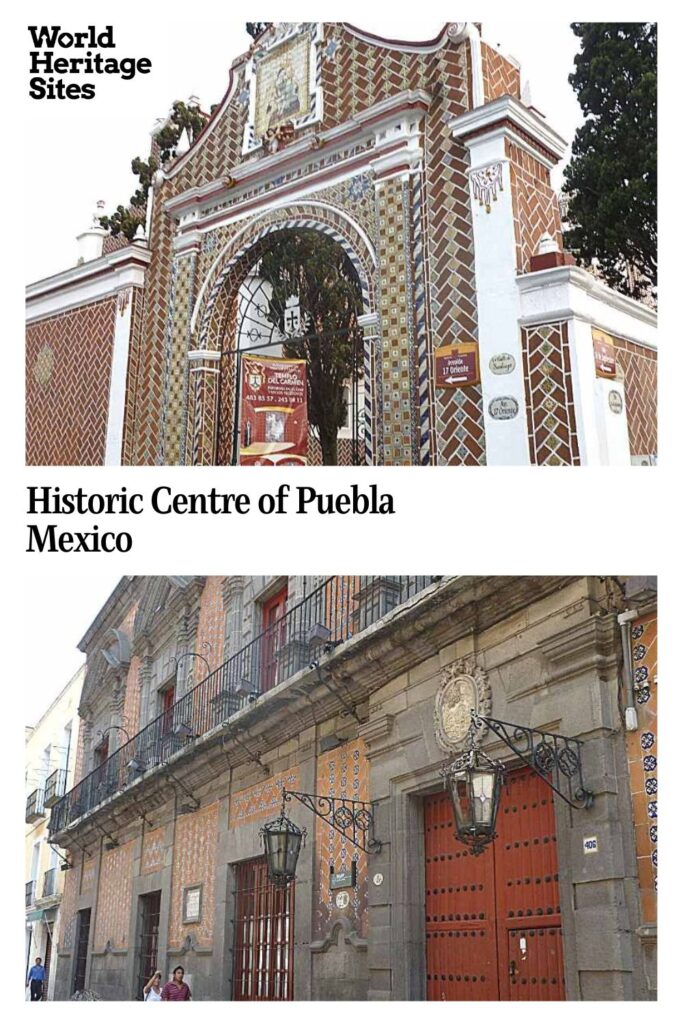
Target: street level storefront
479,342
355,787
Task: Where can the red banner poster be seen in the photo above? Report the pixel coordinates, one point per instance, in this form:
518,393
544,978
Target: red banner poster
273,412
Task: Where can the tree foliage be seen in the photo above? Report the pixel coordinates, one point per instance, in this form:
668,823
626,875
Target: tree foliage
317,270
125,220
611,180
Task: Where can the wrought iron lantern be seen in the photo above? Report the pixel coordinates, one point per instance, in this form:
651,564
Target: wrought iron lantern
474,783
282,841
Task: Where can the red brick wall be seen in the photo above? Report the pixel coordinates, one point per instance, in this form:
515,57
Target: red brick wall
113,898
551,418
194,861
501,78
534,204
67,910
640,386
211,627
341,773
68,369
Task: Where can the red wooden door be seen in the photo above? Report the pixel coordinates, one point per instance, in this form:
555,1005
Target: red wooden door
272,638
263,961
493,928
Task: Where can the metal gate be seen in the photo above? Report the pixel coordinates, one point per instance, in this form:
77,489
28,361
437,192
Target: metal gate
493,926
148,939
257,335
263,964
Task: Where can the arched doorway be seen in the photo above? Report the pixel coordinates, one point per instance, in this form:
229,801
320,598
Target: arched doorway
235,314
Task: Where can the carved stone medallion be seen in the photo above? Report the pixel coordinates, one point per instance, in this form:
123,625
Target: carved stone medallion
464,688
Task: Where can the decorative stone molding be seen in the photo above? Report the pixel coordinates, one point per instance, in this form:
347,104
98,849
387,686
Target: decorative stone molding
350,935
487,182
464,688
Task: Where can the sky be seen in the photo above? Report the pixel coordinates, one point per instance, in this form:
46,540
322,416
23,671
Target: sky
78,152
64,605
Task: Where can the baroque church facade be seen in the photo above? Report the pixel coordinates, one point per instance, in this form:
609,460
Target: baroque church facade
483,343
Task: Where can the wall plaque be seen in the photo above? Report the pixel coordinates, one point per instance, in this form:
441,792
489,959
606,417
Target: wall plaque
342,900
502,363
504,408
604,354
378,878
457,365
616,402
192,904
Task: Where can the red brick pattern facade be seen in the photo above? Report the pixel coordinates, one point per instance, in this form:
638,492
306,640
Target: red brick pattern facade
534,204
341,773
639,365
263,799
211,627
551,420
153,851
113,898
501,78
196,836
68,369
67,912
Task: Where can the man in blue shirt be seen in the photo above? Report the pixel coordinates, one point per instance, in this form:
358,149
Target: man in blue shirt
36,977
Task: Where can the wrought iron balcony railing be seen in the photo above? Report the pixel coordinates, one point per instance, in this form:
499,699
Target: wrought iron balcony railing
50,882
34,807
338,609
30,893
55,787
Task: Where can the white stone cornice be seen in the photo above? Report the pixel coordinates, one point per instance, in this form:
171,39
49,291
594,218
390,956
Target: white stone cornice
560,293
507,114
406,46
87,282
379,124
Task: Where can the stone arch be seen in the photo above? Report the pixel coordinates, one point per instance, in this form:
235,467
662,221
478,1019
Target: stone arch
211,394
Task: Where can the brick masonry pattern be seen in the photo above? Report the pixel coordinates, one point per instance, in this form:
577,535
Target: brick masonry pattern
341,773
551,421
68,369
196,837
639,365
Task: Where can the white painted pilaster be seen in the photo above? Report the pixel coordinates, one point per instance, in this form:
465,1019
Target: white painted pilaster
119,376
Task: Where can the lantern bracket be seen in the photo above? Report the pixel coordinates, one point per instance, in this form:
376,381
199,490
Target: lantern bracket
555,759
353,819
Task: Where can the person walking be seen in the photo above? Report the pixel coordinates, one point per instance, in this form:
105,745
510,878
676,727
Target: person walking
36,979
176,988
152,990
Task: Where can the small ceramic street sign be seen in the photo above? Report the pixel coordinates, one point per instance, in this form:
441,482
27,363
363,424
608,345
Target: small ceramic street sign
457,365
377,879
342,900
590,844
504,408
616,402
502,363
343,879
604,355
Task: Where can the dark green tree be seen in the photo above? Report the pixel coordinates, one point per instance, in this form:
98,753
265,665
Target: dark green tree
317,270
611,180
125,220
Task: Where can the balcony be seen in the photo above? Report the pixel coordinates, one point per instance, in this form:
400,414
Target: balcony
30,894
49,883
55,787
340,608
35,809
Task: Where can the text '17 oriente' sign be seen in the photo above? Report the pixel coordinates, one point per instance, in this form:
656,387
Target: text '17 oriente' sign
273,412
457,365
